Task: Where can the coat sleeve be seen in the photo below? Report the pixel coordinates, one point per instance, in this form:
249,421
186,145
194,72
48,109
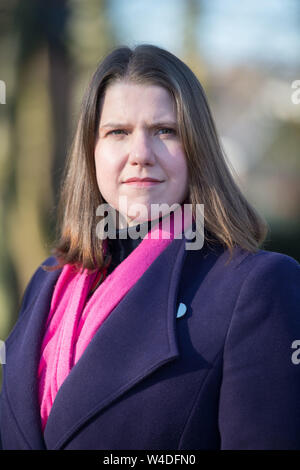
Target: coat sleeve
259,406
27,298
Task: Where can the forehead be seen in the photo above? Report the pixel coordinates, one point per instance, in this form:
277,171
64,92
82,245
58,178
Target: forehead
134,101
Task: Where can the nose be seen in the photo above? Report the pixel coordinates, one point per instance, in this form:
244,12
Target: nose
141,151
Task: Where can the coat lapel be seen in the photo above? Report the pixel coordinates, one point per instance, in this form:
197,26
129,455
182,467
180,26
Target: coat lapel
138,337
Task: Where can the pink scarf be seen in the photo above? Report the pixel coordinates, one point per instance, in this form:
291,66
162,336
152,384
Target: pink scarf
73,319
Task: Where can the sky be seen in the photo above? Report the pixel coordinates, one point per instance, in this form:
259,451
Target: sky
228,31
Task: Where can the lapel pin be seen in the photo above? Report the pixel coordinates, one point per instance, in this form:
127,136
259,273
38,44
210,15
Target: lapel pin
181,310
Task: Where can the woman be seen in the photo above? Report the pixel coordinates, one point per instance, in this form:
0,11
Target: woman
144,342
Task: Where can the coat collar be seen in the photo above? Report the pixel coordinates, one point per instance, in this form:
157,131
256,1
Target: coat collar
137,338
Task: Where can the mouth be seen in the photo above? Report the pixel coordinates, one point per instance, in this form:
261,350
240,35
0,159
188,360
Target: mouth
144,182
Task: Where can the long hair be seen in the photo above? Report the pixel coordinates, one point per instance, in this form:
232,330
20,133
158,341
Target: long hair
229,217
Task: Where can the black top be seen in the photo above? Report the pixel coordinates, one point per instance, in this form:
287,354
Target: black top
124,244
121,246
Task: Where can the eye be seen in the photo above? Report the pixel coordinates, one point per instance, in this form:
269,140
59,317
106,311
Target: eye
116,132
167,130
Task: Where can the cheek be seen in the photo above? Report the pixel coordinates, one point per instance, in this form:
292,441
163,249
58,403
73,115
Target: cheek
177,164
102,155
179,173
107,166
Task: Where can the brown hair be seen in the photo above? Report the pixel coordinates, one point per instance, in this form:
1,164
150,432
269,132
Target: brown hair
228,216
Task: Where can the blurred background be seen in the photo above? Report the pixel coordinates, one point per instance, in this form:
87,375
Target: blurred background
246,55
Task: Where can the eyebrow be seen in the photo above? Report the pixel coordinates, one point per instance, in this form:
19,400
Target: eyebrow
151,126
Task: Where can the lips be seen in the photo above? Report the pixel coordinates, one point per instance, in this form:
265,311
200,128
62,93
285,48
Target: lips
140,180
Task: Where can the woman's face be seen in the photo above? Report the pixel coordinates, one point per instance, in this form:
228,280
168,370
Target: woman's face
138,138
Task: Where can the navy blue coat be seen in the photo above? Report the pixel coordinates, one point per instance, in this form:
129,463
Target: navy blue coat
220,377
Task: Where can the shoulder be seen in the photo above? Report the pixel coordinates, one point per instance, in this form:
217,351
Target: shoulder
267,270
266,278
265,259
244,269
268,297
35,282
262,266
248,288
